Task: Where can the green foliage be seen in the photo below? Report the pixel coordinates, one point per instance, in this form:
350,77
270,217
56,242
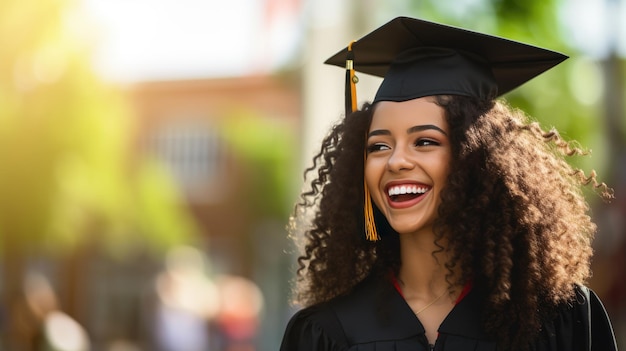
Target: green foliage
160,209
266,146
65,175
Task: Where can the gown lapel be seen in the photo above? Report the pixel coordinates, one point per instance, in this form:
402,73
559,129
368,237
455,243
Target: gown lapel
376,312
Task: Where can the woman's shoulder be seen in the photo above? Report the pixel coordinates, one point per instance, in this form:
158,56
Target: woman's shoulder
373,313
325,322
314,328
578,324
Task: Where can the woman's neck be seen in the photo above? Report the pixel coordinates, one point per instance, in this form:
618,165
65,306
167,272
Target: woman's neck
423,271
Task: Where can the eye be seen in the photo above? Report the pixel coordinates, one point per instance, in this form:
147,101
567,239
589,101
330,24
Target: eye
377,147
426,142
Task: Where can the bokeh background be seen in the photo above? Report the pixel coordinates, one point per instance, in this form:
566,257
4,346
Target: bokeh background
151,152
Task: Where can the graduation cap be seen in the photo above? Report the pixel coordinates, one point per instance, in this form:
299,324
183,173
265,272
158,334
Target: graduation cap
418,58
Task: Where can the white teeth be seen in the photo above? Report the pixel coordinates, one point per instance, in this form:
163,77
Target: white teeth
401,190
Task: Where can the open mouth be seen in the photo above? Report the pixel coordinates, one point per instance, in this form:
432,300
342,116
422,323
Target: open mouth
401,193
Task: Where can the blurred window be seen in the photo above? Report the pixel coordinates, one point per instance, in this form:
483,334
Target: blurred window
194,152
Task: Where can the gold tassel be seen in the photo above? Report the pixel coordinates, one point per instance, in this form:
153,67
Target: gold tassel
351,105
371,233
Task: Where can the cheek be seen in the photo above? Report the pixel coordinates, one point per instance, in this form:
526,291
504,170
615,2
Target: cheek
442,172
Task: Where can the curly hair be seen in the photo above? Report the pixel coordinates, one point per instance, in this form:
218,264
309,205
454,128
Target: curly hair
512,214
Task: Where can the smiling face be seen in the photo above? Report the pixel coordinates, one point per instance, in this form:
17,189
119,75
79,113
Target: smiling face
408,155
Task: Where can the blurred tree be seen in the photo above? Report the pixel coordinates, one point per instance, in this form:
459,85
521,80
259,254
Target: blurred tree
66,180
266,147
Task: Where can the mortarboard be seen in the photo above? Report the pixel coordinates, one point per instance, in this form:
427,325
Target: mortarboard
418,58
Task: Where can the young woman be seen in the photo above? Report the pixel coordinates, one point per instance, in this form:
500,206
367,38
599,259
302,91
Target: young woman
443,218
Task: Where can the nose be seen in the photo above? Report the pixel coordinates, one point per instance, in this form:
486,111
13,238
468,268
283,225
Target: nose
399,160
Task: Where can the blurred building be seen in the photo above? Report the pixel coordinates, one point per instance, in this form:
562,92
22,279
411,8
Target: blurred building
184,125
181,123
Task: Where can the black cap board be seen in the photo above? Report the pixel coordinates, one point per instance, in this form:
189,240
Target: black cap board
418,58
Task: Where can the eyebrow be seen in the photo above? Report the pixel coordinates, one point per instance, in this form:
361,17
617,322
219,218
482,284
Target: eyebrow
413,129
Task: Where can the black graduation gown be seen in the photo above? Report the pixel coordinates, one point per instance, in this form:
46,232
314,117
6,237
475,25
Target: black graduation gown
375,317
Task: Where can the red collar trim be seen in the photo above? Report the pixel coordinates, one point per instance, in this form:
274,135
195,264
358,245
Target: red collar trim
466,289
